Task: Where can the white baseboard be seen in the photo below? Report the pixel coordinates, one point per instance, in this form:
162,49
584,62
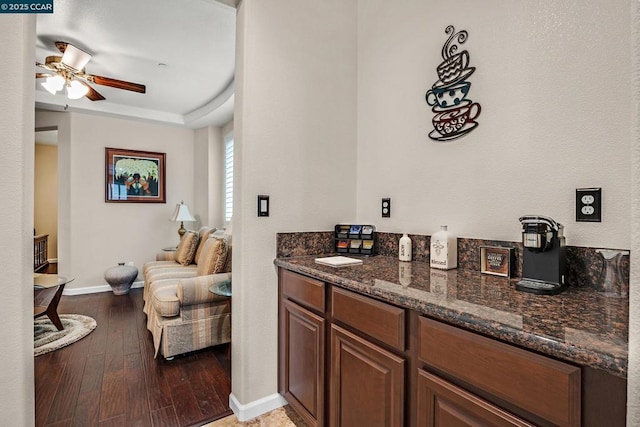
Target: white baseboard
96,289
255,408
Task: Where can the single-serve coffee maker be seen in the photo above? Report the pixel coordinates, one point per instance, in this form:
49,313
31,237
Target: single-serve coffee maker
544,256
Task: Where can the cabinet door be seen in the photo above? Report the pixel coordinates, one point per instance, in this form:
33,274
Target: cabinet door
304,362
442,404
367,383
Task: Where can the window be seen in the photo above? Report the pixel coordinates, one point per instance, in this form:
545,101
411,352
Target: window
228,178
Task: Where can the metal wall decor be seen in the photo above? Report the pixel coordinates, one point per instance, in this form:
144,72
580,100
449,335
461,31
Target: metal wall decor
454,113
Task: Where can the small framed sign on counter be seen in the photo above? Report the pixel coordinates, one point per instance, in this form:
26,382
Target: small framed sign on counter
497,260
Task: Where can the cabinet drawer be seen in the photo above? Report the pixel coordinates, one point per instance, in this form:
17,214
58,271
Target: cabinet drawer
540,385
382,321
306,291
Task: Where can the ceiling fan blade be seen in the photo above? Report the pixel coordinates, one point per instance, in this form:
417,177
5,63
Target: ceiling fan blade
119,84
74,57
93,94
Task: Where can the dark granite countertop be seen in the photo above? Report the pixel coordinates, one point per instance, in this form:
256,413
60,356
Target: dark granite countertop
578,325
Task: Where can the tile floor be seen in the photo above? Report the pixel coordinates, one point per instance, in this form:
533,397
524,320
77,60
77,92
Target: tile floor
281,417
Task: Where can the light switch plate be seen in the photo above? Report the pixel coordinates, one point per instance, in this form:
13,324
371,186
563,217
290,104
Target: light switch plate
588,205
263,205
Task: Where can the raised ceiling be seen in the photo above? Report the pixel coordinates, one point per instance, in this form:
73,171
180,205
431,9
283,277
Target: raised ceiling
183,51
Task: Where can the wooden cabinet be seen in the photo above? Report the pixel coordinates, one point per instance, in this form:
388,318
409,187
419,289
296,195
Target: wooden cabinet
341,360
304,362
367,383
442,404
302,338
535,384
346,359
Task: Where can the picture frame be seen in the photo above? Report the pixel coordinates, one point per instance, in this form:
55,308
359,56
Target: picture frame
497,260
133,176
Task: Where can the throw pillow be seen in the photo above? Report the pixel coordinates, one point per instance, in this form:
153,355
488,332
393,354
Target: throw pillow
213,256
204,234
186,248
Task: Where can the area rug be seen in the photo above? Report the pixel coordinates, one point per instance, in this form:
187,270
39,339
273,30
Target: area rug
46,337
280,417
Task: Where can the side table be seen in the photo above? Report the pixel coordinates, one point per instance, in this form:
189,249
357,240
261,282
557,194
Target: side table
47,291
121,278
223,289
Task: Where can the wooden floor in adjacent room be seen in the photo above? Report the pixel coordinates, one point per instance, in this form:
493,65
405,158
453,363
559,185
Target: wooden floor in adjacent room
110,378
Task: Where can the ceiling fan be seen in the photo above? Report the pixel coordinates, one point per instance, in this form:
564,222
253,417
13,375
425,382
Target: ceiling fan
69,74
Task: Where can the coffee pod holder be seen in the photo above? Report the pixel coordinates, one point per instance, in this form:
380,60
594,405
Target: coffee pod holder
355,239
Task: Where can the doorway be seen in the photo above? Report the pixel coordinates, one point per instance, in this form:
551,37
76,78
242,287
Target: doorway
45,201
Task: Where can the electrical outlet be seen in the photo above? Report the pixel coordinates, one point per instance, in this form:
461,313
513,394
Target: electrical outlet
386,207
588,204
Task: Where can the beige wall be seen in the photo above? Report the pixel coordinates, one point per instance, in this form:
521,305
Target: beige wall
45,195
16,210
633,397
102,234
208,169
294,141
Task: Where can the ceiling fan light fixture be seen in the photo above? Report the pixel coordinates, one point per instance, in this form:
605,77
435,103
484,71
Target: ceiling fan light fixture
76,90
53,84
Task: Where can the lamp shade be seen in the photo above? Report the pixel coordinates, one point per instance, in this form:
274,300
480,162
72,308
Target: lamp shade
182,213
53,84
76,90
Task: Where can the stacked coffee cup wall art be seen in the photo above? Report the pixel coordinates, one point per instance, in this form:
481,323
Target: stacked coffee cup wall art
455,113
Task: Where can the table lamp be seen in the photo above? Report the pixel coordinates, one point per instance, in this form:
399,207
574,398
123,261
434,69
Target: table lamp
182,214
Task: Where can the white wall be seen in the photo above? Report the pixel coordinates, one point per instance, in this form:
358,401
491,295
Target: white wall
209,174
205,145
553,81
294,141
16,210
95,235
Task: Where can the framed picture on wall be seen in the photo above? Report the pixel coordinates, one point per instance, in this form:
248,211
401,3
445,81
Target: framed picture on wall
134,176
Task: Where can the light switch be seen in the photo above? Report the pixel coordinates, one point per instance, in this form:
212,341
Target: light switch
263,205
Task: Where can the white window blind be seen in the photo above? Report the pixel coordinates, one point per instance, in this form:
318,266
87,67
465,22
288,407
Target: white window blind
228,180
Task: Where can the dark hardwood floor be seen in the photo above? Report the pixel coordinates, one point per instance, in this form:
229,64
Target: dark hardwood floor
110,377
